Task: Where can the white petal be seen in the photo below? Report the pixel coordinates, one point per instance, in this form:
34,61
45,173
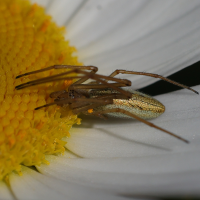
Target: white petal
44,3
5,193
33,185
164,166
130,158
158,37
155,36
177,174
64,10
130,138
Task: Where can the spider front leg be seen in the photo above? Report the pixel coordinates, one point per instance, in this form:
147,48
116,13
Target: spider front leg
90,67
86,76
121,71
74,69
104,84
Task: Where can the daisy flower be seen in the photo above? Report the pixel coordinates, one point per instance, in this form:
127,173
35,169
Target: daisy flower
113,159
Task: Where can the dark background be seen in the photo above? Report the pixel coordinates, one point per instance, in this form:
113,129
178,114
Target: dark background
189,76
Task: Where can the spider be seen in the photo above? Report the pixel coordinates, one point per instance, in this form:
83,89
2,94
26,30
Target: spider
103,96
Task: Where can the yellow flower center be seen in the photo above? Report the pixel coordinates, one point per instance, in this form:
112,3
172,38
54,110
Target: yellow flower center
29,41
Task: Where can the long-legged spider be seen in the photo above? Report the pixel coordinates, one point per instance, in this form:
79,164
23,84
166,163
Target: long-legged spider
101,97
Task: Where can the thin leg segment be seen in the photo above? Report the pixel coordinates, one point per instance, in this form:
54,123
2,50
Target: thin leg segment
79,107
78,101
120,71
141,120
96,86
92,68
86,75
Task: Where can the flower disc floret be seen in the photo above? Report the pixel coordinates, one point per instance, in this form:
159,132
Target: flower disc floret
29,40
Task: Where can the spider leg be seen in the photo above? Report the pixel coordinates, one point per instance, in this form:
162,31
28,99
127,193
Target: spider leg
89,106
78,107
47,80
120,71
72,67
97,115
86,75
77,101
96,86
58,93
128,94
92,68
104,84
141,120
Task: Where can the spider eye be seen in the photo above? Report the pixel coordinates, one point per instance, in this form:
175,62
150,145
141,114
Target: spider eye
71,94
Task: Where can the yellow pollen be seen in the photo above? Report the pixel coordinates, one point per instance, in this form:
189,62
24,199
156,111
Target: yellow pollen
90,111
29,41
67,83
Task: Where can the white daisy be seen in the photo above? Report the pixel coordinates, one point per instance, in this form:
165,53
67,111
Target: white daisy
117,159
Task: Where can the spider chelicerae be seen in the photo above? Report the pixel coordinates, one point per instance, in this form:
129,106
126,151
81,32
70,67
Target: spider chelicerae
103,96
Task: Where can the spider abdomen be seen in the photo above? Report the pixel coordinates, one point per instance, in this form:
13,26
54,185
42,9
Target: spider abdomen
140,104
